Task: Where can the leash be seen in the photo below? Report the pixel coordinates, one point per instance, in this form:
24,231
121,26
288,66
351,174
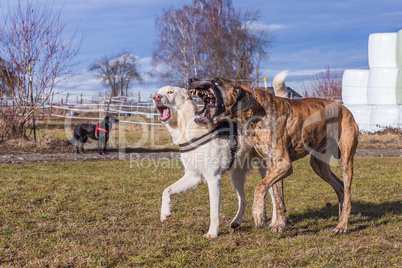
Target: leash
198,142
218,132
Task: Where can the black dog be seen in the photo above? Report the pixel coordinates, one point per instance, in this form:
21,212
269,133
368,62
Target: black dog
98,132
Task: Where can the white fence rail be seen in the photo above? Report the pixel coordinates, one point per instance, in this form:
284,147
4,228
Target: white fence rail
132,112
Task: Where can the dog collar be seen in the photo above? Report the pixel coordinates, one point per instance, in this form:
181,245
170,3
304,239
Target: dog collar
245,127
253,102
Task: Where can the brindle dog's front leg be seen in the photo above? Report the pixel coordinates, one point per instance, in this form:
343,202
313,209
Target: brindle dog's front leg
278,219
278,223
282,168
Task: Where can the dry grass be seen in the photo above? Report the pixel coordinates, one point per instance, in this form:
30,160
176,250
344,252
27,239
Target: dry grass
106,214
388,138
51,137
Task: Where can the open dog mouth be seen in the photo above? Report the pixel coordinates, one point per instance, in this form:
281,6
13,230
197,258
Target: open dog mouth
211,103
164,112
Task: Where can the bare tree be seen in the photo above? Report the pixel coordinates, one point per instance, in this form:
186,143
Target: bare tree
326,84
236,41
38,58
209,38
6,79
179,48
117,72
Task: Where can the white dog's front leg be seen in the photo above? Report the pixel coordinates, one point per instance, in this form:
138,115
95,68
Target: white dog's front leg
214,187
189,181
273,218
165,209
238,179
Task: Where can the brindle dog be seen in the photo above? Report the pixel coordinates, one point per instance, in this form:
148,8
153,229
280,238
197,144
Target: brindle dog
284,130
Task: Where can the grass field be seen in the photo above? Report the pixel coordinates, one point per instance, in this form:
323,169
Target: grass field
106,214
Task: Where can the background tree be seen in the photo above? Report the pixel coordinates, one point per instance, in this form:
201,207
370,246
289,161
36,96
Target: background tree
236,41
325,84
209,38
117,72
180,44
6,80
36,56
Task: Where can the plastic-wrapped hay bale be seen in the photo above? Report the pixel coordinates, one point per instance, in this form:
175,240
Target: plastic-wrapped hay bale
354,86
399,49
398,93
362,116
382,50
383,116
381,87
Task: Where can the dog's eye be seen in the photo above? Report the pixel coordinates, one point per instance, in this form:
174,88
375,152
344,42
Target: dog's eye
170,92
216,81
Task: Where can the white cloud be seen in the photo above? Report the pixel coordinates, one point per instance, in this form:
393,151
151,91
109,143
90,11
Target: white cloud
274,26
258,26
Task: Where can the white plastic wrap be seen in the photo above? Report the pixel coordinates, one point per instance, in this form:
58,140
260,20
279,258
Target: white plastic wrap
383,116
362,115
400,116
382,50
354,86
381,88
399,49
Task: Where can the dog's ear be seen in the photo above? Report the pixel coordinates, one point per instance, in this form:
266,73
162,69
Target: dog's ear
106,118
237,90
244,101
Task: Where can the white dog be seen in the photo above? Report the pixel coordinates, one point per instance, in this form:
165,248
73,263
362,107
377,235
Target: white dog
207,151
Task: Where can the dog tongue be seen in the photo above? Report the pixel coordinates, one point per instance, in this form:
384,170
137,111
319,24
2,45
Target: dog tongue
165,114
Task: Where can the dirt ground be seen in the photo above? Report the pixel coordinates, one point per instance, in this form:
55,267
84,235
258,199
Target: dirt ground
68,154
385,144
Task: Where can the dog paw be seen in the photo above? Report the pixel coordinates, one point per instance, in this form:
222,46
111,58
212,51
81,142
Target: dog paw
259,220
277,229
340,230
209,236
235,224
164,217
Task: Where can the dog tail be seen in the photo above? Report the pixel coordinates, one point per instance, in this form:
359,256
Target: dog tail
280,88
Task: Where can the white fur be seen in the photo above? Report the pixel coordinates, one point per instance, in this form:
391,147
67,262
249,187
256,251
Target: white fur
278,83
206,163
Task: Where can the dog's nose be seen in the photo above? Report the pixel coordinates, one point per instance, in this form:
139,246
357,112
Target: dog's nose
157,97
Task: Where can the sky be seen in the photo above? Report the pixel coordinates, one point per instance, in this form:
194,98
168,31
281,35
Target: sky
310,35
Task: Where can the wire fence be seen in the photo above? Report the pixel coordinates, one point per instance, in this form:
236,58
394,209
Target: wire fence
128,111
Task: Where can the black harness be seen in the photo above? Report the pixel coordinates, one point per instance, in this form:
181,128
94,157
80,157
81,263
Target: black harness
224,130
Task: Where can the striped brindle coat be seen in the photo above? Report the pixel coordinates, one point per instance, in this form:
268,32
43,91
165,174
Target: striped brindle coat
284,130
